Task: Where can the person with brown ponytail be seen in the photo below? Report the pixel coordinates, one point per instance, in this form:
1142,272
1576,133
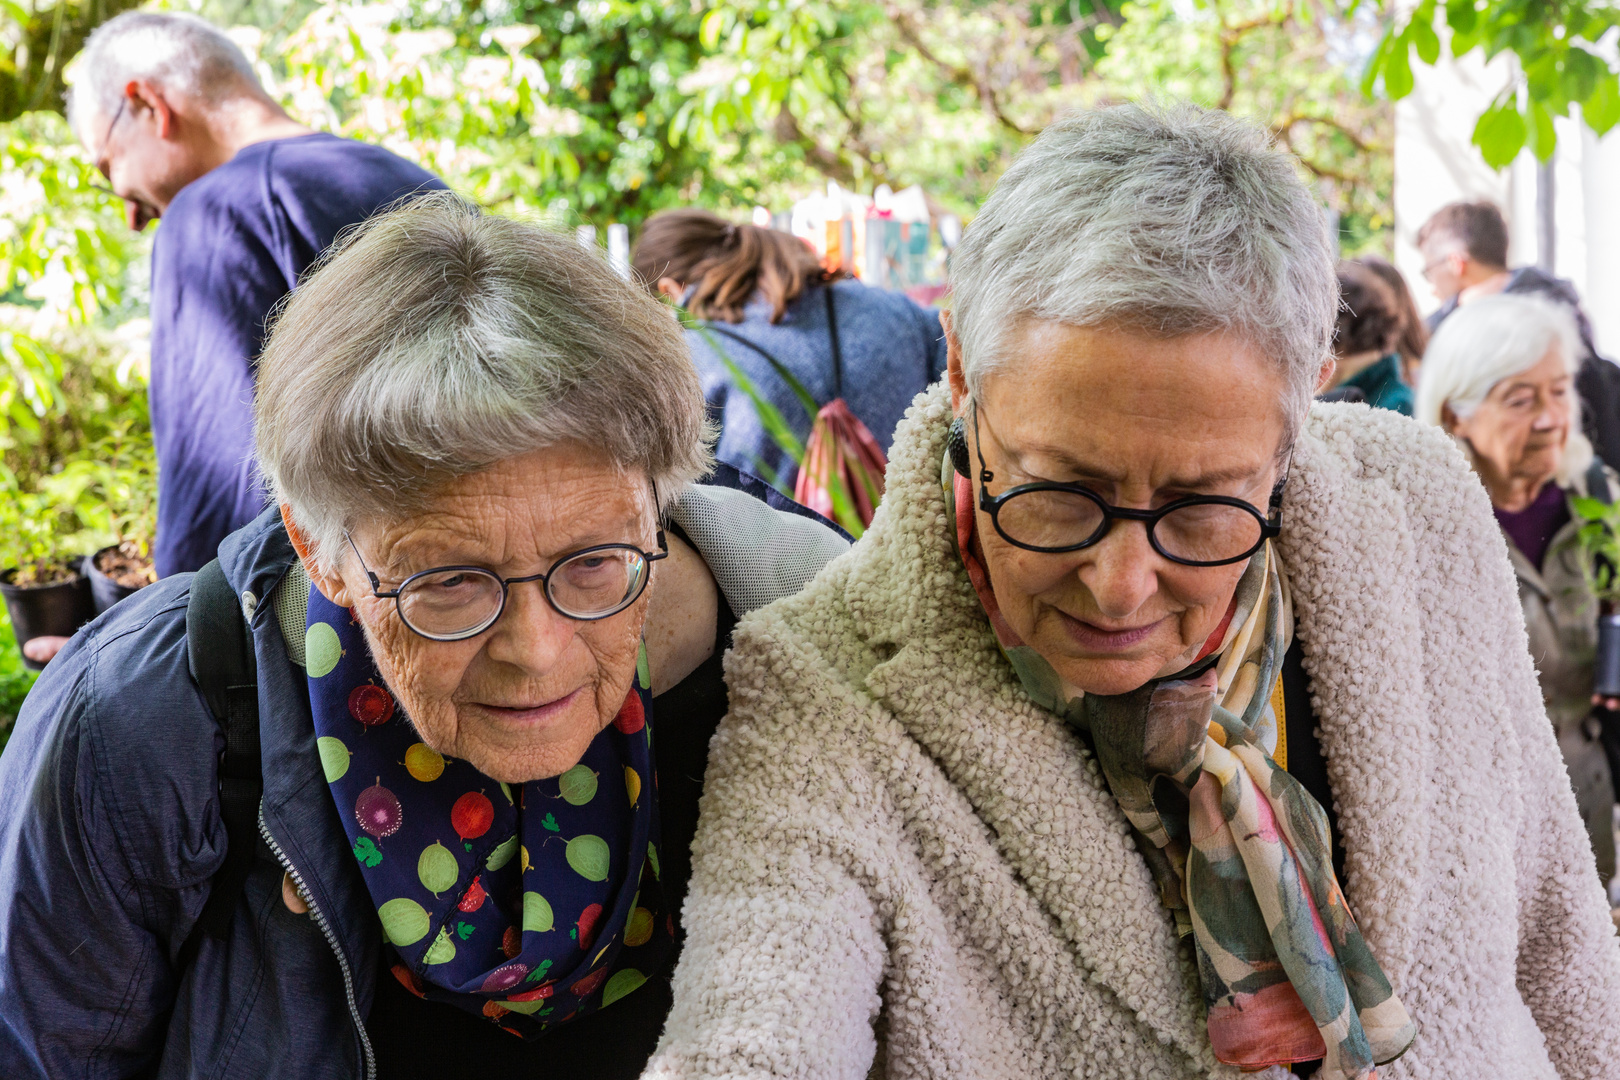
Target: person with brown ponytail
770,304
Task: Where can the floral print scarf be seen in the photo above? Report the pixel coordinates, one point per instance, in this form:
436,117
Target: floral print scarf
529,905
1239,849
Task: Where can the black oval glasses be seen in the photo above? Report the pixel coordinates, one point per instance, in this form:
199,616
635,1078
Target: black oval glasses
1056,518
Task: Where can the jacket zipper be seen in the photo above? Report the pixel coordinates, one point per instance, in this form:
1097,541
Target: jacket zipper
331,939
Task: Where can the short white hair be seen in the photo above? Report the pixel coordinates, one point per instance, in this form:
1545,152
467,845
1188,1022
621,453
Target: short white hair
1171,221
1496,338
175,51
435,340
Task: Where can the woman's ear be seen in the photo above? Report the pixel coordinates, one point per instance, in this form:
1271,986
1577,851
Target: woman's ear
953,365
671,288
1324,377
1450,422
332,586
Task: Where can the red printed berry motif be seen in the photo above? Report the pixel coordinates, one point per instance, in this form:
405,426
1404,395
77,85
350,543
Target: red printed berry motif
371,705
632,717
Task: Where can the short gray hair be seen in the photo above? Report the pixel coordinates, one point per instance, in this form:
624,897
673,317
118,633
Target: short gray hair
1170,221
176,51
436,340
1495,338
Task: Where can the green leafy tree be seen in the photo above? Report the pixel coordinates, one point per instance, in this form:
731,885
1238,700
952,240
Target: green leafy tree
1286,66
1559,65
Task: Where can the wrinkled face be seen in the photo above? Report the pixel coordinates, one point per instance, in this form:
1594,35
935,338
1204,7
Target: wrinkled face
523,699
1140,421
1520,430
144,169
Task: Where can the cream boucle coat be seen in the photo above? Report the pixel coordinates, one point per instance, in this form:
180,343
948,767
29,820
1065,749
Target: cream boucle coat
904,866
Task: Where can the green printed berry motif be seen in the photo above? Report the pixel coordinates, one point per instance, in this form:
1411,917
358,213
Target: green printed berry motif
366,853
524,904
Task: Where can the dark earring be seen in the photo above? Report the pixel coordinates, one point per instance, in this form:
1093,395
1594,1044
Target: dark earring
956,445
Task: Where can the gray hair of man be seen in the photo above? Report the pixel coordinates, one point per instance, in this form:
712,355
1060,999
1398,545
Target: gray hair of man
1166,220
1496,338
175,51
435,340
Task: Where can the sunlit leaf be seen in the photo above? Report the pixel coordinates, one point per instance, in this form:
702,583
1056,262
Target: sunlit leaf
1602,109
1500,134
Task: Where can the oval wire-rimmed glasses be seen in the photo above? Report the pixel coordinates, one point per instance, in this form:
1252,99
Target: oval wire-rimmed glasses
453,603
1055,518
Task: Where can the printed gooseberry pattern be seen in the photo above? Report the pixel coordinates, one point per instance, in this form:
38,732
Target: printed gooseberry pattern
526,904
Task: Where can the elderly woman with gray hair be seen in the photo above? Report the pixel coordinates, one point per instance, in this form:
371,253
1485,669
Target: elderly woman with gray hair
1499,375
1163,724
440,826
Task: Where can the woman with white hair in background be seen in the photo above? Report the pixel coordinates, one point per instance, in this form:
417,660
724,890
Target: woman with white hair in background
447,835
1499,375
1162,724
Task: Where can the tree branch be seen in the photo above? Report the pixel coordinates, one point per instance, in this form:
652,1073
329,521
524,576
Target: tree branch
962,76
1287,123
829,164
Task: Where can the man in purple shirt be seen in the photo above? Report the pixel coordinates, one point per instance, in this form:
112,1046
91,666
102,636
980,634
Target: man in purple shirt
177,120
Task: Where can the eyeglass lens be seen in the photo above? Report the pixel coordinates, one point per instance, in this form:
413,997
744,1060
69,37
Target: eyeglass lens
460,602
1199,533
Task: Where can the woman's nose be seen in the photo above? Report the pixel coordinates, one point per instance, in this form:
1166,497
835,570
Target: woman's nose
530,633
1122,573
1552,415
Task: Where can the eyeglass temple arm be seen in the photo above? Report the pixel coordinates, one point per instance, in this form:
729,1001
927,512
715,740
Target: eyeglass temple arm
376,585
1274,507
658,515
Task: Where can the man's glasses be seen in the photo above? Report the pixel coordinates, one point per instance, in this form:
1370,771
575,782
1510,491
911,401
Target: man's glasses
453,603
1054,518
102,164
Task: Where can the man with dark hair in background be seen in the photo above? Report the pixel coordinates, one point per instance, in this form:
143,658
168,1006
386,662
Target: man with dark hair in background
1465,256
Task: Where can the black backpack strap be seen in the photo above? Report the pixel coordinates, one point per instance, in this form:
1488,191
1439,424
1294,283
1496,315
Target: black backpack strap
837,349
220,650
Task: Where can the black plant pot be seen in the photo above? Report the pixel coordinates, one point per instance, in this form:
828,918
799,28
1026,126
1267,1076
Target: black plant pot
104,590
39,610
1606,676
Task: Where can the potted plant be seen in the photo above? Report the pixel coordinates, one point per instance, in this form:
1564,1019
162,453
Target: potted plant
114,493
45,592
1599,537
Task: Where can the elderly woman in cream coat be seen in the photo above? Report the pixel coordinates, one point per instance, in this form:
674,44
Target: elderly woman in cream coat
1162,725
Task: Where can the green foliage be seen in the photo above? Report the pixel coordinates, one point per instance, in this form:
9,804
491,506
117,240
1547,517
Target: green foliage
73,417
1278,64
15,680
1599,537
555,107
39,40
111,491
1556,47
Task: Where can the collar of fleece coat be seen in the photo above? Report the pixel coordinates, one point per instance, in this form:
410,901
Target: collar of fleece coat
1367,577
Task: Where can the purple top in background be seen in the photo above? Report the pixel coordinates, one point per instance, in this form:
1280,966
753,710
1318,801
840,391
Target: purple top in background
1533,528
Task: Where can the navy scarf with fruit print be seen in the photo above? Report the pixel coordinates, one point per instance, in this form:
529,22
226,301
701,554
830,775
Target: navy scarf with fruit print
529,904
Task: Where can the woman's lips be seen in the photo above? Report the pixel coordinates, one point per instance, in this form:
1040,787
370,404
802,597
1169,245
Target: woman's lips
531,716
1100,639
